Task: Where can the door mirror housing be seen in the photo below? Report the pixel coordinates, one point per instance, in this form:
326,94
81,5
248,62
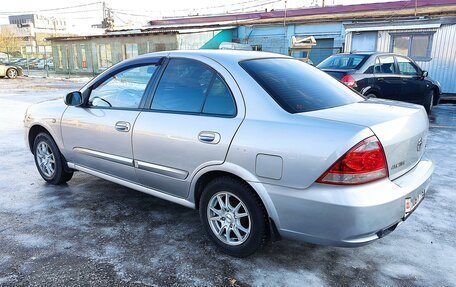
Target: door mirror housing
424,74
73,99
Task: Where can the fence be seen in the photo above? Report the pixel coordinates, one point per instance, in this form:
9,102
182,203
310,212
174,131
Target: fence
44,64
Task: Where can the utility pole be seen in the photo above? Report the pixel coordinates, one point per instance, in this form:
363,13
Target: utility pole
285,28
108,20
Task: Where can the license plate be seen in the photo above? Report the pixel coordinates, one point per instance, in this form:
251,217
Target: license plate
412,202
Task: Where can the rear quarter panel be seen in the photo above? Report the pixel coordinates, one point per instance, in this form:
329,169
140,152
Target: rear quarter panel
307,147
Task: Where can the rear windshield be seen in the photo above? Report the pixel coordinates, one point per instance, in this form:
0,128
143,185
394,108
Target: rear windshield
298,87
343,62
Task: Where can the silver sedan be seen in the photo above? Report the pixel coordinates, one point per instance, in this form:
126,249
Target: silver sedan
263,145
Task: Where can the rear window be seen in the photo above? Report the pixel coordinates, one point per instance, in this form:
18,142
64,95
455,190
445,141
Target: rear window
298,87
343,62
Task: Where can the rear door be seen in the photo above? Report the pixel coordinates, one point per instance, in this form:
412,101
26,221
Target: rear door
386,78
414,87
194,114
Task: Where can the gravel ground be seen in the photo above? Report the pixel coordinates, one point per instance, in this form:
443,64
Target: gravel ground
93,232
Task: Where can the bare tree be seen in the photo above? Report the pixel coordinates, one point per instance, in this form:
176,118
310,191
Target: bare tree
9,42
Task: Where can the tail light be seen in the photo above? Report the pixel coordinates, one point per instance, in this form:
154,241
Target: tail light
365,162
349,81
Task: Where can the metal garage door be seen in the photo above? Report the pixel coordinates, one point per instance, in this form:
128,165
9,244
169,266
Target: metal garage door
321,51
364,42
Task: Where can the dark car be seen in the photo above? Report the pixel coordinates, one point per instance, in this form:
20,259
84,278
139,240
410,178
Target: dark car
384,75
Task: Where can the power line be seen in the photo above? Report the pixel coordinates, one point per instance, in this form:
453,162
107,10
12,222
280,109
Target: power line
50,10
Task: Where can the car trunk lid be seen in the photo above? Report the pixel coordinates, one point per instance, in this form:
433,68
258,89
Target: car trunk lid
401,128
336,73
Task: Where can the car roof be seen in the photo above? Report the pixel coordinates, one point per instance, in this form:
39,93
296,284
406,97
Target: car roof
366,53
221,56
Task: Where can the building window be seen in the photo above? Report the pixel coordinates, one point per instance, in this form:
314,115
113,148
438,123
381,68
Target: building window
414,45
130,51
104,56
75,58
83,57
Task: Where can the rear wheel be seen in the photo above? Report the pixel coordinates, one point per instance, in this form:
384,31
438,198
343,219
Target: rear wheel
233,216
11,73
371,95
49,161
429,102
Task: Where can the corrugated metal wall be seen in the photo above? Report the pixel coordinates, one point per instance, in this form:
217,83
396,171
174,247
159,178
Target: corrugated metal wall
442,66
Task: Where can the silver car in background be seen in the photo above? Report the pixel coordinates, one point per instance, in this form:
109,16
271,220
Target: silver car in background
263,145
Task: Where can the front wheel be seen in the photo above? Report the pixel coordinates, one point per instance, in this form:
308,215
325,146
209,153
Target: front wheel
49,161
233,216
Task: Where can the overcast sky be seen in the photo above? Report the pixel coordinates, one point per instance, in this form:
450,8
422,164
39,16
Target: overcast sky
140,11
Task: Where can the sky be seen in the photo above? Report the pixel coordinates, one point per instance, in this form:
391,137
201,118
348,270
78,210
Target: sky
137,12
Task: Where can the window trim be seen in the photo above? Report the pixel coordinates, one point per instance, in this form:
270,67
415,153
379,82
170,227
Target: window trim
396,68
426,58
420,71
109,75
148,105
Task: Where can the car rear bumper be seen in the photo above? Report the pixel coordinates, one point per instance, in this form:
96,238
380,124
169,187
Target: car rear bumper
347,216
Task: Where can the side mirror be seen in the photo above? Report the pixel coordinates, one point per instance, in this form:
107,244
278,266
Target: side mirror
424,74
73,99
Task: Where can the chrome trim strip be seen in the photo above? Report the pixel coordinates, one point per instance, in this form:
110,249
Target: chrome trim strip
135,186
105,156
160,169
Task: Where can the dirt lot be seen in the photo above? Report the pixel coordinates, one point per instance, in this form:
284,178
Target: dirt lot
93,232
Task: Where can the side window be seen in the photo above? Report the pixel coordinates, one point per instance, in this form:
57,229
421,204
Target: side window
192,87
219,100
385,65
406,67
123,90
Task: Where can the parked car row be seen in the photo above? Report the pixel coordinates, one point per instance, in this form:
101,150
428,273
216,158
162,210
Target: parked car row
33,63
10,71
384,75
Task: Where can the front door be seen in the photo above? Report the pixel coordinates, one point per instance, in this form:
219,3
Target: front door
386,78
190,125
414,87
98,134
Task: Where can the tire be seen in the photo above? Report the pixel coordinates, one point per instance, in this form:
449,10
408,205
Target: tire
429,102
371,95
49,161
11,73
246,225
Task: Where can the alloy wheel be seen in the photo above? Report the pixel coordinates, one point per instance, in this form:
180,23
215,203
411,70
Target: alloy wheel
45,158
229,218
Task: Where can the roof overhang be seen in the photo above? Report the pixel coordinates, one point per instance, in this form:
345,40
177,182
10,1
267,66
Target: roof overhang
392,27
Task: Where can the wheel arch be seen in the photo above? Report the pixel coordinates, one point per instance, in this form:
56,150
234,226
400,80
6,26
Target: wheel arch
37,128
370,90
33,132
207,174
437,94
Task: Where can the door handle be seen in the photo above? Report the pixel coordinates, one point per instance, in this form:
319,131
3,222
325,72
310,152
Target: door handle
209,137
123,126
380,79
